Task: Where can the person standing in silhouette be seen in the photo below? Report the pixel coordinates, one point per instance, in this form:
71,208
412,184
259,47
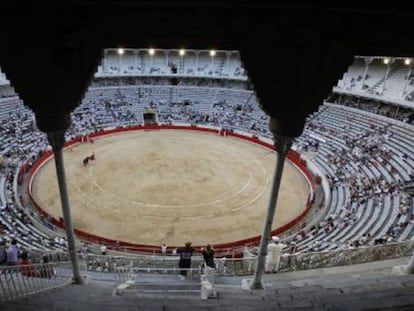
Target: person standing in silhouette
208,255
3,252
185,258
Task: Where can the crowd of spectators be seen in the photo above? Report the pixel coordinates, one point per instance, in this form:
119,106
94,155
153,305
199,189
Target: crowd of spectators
400,113
166,81
122,106
352,150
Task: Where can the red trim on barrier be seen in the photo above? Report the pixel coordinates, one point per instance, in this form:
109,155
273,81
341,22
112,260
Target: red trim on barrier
292,155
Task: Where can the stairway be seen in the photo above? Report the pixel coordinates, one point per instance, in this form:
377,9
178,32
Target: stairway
142,64
181,66
160,286
378,85
220,65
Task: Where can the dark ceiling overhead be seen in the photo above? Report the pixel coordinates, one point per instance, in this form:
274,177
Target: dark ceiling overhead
294,51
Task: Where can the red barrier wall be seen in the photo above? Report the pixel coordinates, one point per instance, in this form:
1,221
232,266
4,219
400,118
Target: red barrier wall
292,155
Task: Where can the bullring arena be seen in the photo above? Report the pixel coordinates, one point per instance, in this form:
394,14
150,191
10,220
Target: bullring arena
171,186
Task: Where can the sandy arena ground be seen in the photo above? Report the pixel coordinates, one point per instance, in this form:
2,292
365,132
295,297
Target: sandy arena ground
171,186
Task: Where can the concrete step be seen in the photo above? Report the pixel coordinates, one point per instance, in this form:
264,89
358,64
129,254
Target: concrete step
320,289
161,286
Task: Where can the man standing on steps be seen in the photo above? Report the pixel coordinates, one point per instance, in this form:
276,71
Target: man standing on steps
208,255
274,250
185,258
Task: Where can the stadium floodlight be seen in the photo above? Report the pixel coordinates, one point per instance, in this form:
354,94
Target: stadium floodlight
151,52
182,52
386,61
407,61
212,54
121,51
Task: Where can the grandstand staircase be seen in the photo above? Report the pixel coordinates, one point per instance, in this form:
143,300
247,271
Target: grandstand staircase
160,286
170,95
220,65
142,64
379,84
409,187
181,66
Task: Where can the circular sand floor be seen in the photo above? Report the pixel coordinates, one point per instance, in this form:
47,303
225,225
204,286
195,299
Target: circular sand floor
171,186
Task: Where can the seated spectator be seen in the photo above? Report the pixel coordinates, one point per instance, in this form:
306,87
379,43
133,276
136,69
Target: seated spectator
26,268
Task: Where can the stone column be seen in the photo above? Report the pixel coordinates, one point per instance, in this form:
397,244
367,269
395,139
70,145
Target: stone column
282,146
56,140
410,266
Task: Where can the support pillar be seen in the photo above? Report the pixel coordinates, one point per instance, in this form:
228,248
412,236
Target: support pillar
368,61
406,82
282,146
410,266
56,140
386,76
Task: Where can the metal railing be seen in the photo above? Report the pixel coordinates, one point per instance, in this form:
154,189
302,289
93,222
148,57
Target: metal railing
157,280
346,256
246,264
20,281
